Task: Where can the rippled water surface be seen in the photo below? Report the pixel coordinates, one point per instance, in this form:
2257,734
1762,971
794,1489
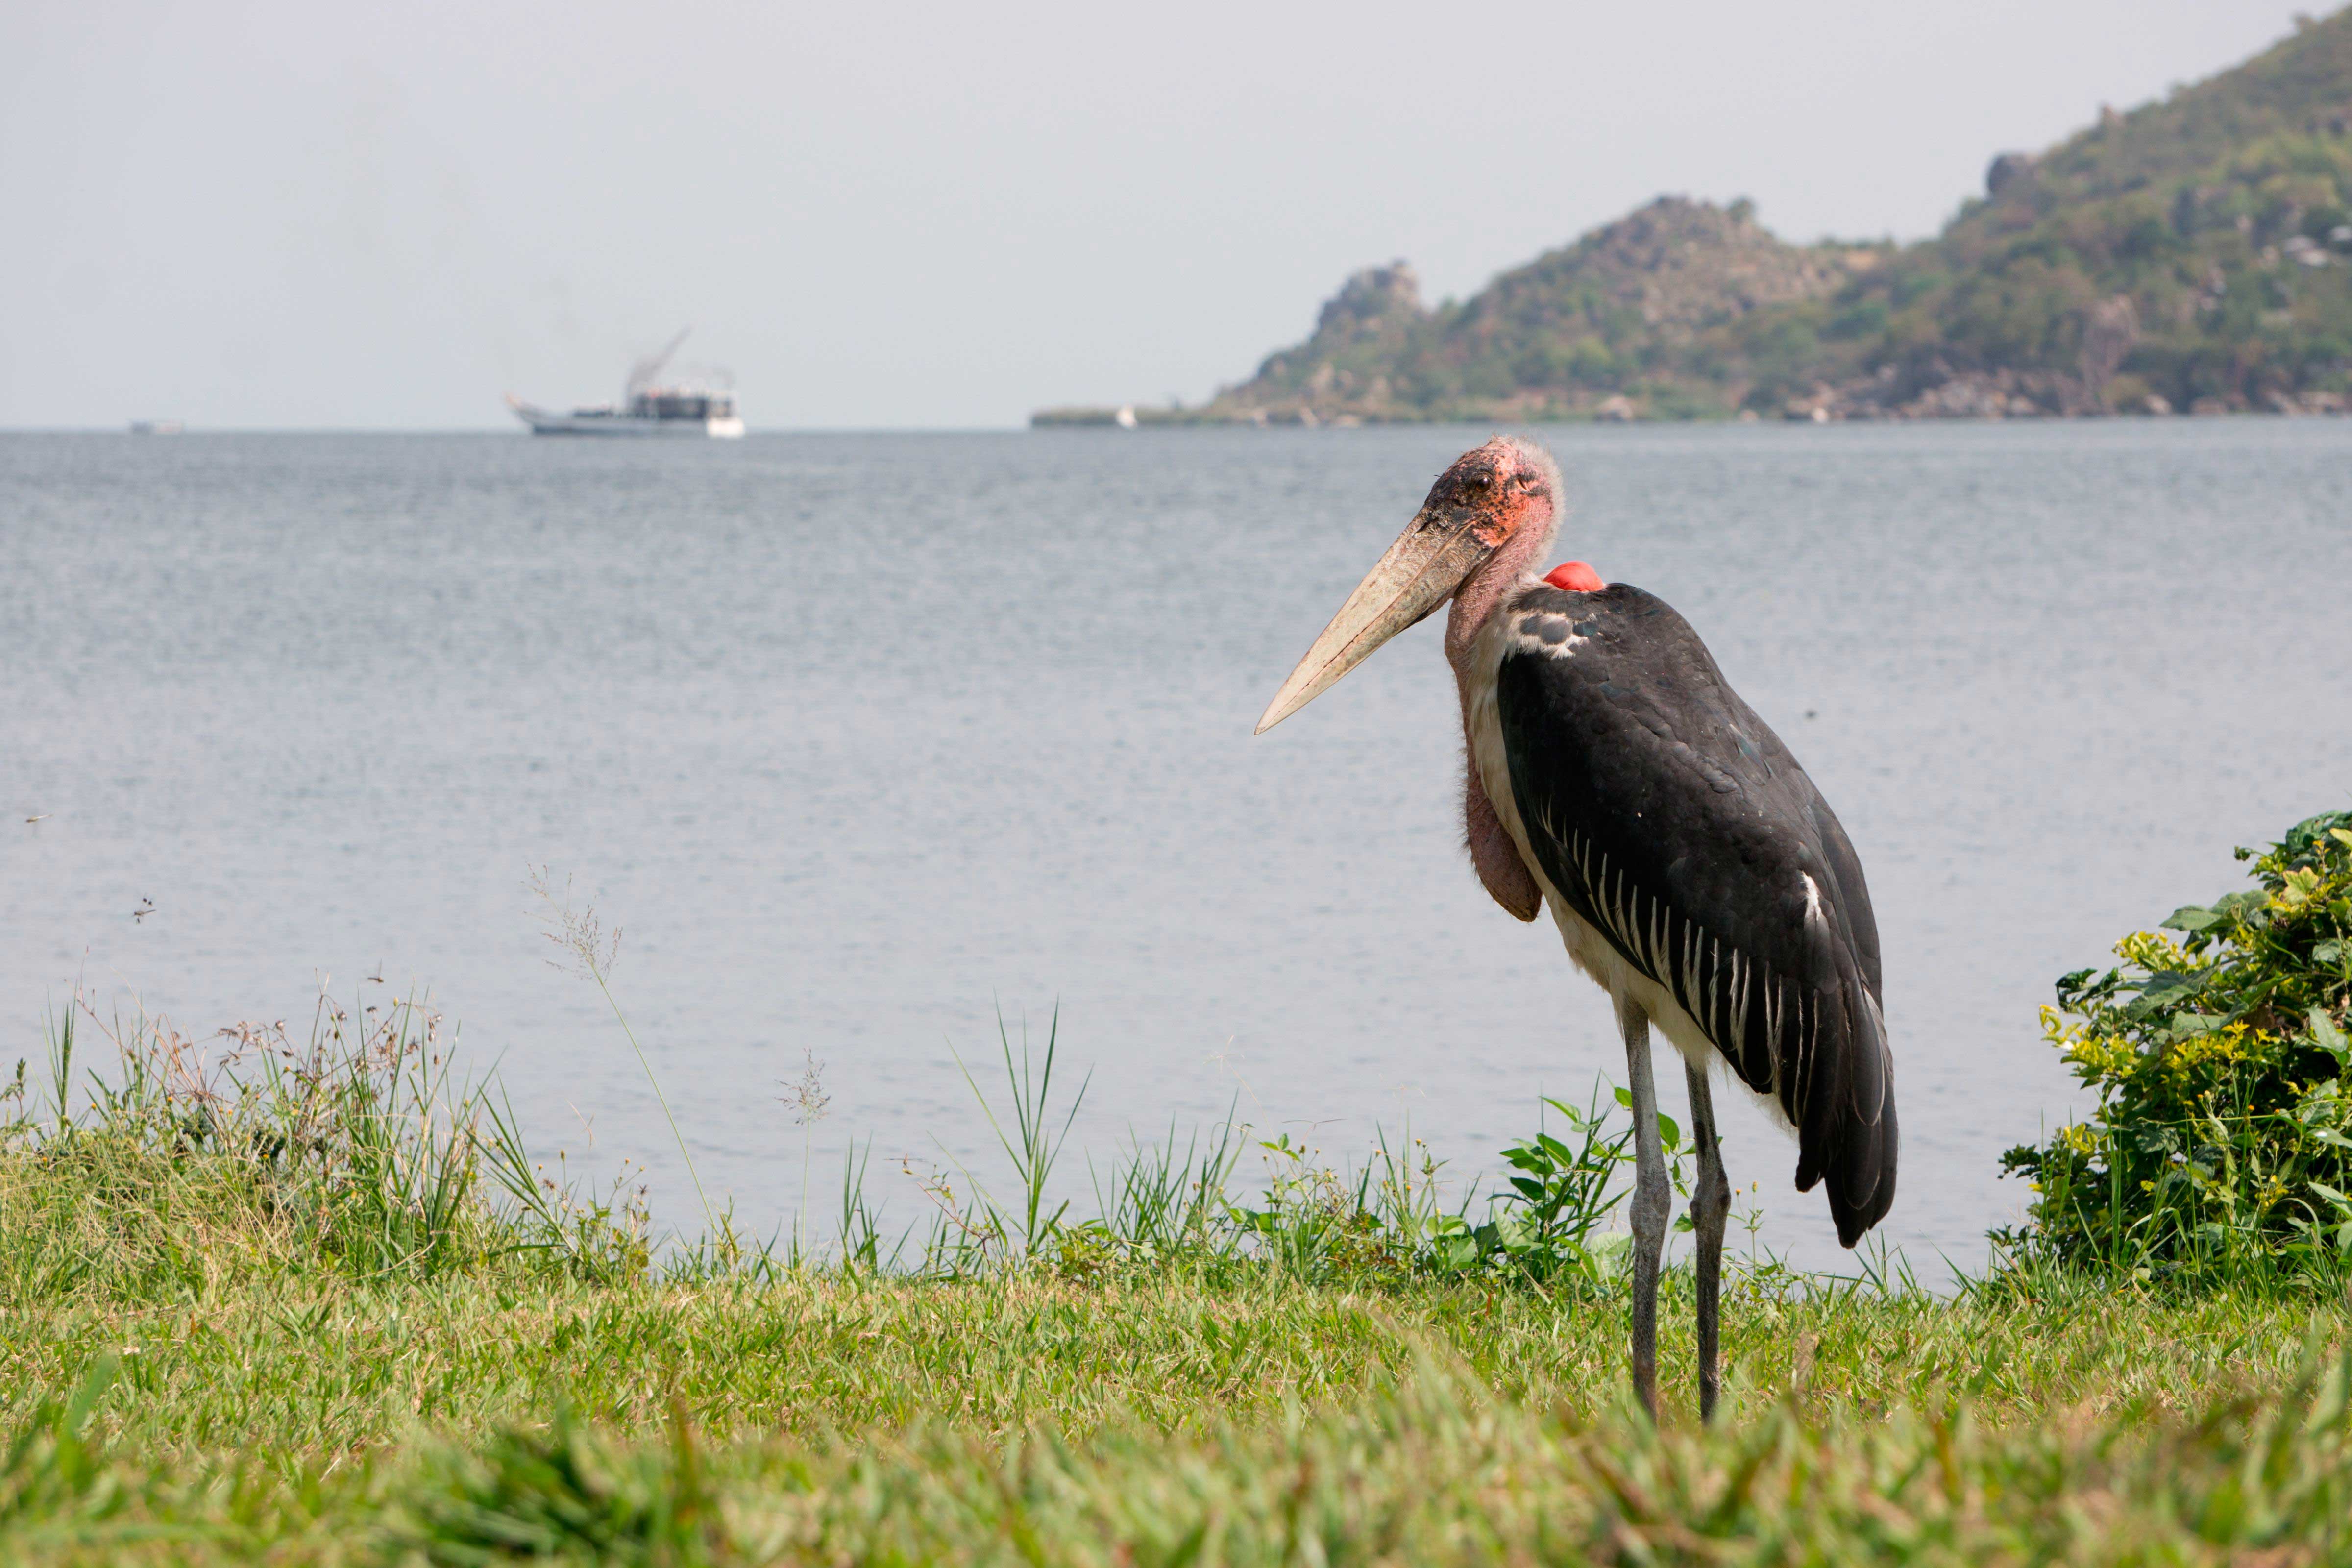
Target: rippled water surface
857,738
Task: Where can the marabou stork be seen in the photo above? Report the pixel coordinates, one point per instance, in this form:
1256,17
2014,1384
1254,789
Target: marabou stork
1693,869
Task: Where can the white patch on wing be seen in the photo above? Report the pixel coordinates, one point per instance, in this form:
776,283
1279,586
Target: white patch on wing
1543,632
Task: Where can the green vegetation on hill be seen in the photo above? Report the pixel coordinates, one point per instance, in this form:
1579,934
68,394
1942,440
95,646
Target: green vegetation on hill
2194,254
1672,306
2198,248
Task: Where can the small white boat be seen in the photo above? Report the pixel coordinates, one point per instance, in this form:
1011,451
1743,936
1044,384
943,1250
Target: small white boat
696,404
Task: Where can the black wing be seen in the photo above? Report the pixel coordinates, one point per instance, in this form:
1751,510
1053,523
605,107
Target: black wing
1674,821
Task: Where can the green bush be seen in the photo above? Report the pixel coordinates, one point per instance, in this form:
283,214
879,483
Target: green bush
2221,1142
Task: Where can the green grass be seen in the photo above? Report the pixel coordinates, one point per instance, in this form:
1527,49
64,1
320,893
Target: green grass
341,1369
329,1312
1027,1417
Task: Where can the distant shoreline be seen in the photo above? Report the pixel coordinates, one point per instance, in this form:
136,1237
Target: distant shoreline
1132,418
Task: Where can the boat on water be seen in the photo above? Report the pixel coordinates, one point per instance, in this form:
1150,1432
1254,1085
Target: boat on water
654,403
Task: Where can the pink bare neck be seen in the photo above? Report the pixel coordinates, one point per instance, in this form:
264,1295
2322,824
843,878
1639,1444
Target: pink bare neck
1497,859
1483,591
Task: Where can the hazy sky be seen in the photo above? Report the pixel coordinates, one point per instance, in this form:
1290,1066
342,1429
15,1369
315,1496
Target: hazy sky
256,213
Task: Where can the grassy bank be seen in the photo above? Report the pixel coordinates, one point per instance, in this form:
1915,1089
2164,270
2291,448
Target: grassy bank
341,1370
1167,1419
315,1304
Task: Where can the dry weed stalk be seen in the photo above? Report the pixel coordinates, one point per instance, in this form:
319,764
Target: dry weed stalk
579,933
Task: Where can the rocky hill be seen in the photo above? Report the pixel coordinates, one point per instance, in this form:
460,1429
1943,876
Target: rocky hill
1662,305
2195,252
2192,254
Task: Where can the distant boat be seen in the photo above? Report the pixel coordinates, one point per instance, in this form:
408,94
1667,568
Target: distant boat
156,427
687,403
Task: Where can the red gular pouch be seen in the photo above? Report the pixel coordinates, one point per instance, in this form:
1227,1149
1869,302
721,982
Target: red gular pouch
1575,577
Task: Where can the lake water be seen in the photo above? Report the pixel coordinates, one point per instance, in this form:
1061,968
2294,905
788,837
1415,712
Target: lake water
858,738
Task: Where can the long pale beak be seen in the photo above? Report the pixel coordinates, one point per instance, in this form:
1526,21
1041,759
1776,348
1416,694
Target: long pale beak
1420,572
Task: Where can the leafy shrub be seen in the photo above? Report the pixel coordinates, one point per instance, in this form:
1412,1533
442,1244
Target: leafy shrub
2222,1137
1548,1222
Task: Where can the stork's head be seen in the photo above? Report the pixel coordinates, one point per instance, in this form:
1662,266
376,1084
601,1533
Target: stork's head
1496,506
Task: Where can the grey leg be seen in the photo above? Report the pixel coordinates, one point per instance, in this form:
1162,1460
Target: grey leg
1710,1206
1653,1200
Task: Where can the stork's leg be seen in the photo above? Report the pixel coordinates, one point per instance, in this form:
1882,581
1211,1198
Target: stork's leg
1653,1200
1710,1206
